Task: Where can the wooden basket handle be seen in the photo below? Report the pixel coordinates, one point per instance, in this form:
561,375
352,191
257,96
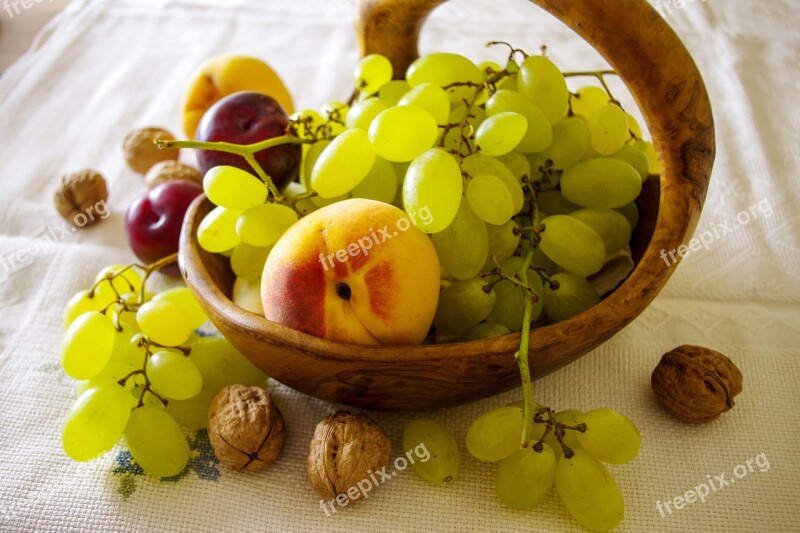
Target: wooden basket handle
648,56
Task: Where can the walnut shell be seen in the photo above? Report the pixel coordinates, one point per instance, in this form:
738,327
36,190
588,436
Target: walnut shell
81,198
141,153
345,450
245,428
696,384
169,170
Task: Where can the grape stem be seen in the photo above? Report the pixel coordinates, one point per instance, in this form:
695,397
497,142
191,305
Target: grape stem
600,75
247,151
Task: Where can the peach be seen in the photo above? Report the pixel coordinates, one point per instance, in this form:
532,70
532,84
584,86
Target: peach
227,74
356,271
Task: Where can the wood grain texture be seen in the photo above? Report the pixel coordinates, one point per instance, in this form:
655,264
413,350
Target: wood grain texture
670,92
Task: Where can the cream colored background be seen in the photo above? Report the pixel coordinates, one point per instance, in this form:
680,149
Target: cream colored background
104,67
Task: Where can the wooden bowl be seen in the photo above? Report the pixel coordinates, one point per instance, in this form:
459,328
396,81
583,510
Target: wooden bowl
670,92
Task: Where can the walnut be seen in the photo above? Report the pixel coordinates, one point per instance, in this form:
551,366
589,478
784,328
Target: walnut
345,450
141,153
245,428
81,198
696,384
169,170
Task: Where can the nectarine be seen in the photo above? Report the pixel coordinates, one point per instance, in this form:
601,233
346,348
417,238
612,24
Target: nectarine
355,271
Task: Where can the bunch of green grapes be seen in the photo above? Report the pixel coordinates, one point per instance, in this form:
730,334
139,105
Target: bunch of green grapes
568,452
142,371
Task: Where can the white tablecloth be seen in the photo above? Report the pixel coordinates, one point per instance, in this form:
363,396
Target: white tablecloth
102,68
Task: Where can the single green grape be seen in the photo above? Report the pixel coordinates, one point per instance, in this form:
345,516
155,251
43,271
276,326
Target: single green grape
539,133
183,298
402,133
542,82
495,435
571,139
613,227
364,112
525,477
501,133
192,414
484,330
217,231
573,245
601,182
343,164
443,462
463,246
650,151
517,163
164,323
431,98
630,212
380,183
125,279
635,158
96,421
82,303
221,365
372,73
112,372
156,442
609,129
589,492
588,100
433,182
88,345
462,305
173,376
264,224
573,296
445,69
391,93
554,203
490,199
233,188
610,436
503,242
477,164
248,261
511,299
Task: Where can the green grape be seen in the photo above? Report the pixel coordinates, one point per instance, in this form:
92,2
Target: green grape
574,296
588,100
554,203
650,151
363,112
402,133
431,98
503,242
444,69
96,421
173,376
610,436
463,245
609,129
631,212
539,134
524,478
164,323
546,178
221,365
112,372
478,164
82,303
136,352
489,67
635,158
264,224
380,183
573,245
542,82
343,164
248,261
192,414
391,93
462,305
601,182
128,281
372,73
87,345
310,159
540,260
443,464
570,417
495,435
308,123
490,199
517,163
501,133
247,295
571,139
294,189
485,330
589,492
511,299
156,442
613,227
433,181
634,127
217,231
233,188
183,298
